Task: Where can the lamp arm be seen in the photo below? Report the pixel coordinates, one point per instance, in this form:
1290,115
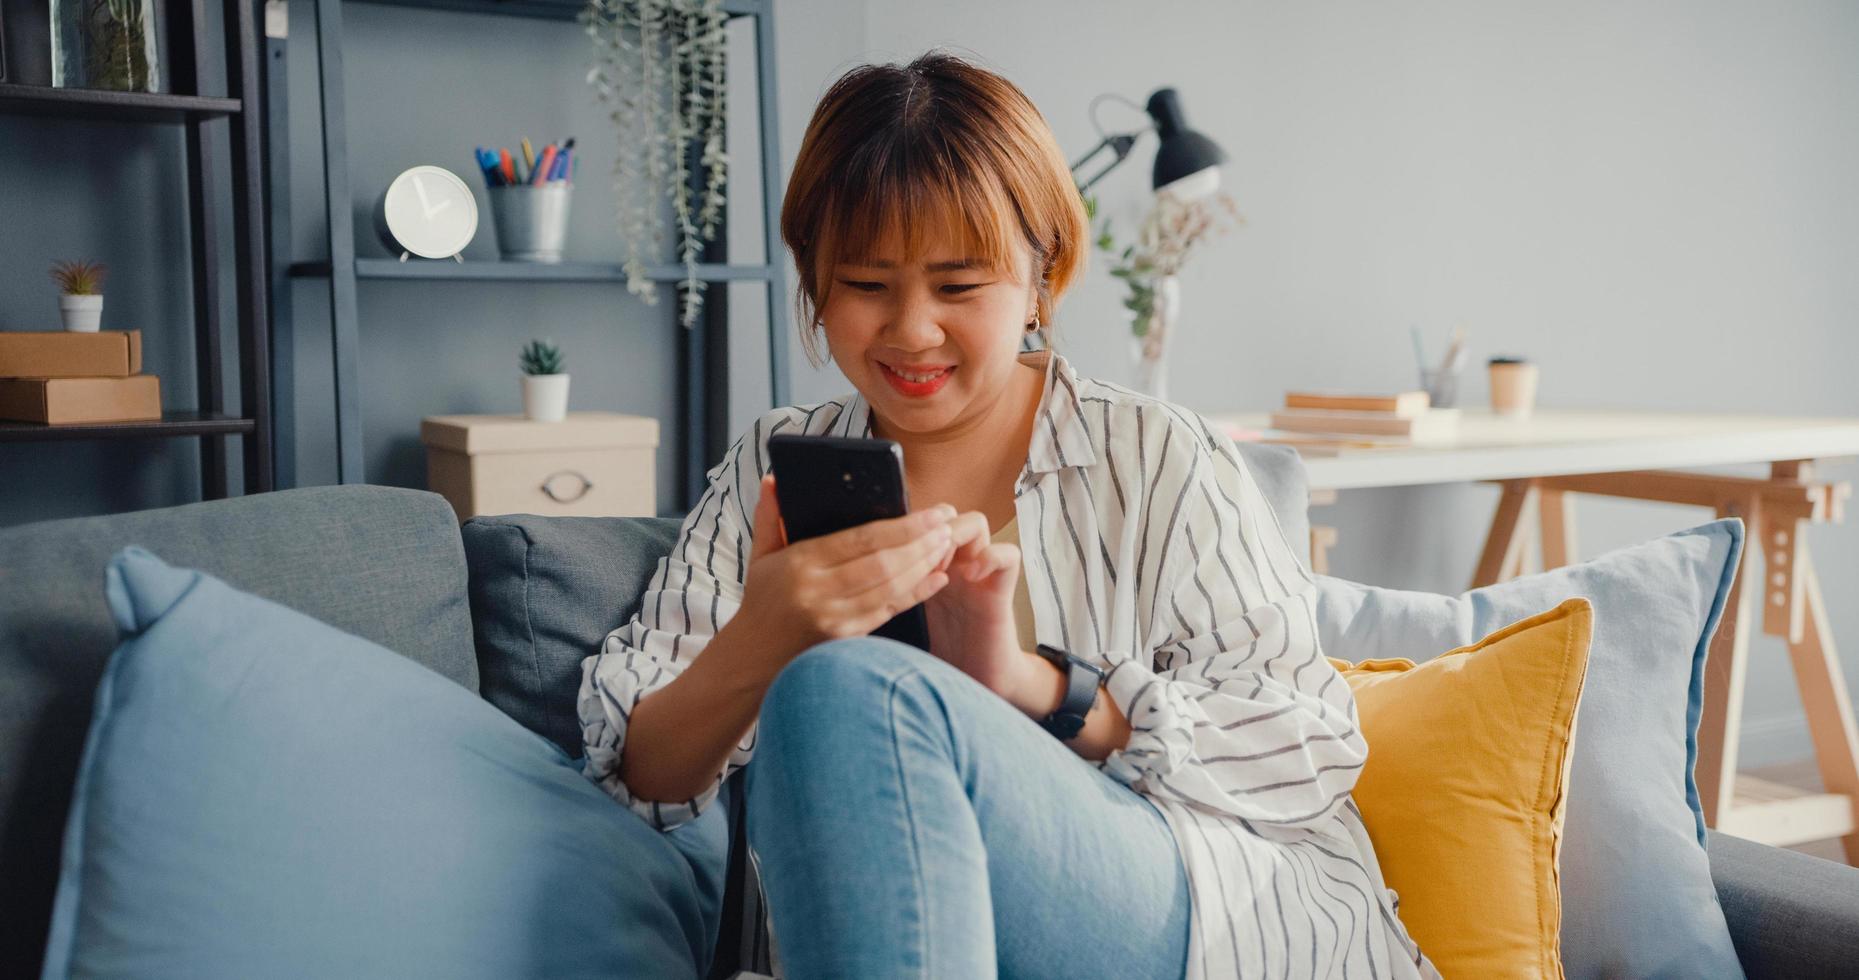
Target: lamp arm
1118,143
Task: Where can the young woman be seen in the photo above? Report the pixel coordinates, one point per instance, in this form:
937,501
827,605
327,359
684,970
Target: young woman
1127,756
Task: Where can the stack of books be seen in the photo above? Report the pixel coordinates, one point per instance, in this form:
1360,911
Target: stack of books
1327,423
64,378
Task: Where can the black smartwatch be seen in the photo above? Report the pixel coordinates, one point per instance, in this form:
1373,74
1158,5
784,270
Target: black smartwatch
1081,682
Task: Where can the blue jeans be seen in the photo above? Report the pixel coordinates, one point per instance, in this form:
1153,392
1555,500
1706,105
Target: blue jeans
910,823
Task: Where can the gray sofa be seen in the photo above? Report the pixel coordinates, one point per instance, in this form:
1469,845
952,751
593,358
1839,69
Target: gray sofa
506,607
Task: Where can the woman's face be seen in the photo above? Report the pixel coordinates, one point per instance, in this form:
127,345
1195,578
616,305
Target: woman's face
929,340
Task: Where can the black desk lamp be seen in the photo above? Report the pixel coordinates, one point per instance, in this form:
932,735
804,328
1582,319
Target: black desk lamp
1186,162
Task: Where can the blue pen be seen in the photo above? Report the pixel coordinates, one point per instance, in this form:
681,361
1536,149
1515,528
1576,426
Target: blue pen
487,162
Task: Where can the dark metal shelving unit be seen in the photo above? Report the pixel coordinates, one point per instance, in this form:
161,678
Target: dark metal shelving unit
80,103
704,352
188,37
170,424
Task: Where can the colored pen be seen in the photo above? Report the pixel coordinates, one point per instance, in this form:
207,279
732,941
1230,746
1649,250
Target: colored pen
509,167
544,165
562,160
487,162
529,155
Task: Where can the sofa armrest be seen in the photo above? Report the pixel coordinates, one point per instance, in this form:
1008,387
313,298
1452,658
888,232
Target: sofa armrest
1790,915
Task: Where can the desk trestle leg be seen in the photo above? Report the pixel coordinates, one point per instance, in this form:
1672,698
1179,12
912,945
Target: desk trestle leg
1776,572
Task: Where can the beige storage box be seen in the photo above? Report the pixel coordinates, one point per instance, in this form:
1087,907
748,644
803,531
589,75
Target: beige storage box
591,464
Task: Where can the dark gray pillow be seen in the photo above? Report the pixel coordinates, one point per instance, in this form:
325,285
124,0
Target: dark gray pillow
544,592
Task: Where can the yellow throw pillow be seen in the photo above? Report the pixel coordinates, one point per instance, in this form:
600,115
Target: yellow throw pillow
1468,757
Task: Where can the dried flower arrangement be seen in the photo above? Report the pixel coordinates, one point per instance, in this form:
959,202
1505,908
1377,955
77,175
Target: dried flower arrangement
1164,242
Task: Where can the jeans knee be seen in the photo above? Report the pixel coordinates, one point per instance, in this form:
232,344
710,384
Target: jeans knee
831,674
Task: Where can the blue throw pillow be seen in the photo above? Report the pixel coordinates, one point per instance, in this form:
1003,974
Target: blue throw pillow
263,795
1637,898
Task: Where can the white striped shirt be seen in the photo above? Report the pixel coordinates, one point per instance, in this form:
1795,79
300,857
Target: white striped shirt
1150,551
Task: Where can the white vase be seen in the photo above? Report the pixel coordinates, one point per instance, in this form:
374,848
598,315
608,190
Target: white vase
545,397
82,313
1151,351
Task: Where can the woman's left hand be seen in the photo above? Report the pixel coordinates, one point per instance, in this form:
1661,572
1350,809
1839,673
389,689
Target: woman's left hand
971,619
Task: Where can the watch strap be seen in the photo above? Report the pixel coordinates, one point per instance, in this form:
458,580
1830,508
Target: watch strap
1081,683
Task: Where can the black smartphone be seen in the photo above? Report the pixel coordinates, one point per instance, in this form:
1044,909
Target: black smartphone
825,484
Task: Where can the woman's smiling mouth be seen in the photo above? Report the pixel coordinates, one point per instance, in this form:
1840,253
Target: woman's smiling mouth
917,382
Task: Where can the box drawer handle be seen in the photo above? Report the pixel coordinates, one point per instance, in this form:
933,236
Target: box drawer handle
566,495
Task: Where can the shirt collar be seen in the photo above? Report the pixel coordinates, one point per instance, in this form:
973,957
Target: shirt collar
1061,438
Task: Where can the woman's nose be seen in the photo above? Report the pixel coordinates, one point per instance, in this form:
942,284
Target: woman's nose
913,326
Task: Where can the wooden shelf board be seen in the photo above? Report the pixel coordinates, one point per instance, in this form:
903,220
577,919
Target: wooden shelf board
528,271
170,425
78,103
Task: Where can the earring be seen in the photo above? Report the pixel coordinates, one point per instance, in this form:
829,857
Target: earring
1034,326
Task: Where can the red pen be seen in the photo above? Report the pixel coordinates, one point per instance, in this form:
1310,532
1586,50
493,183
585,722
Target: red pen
543,165
509,166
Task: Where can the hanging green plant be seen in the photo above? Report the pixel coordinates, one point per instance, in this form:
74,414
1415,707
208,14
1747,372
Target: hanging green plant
661,71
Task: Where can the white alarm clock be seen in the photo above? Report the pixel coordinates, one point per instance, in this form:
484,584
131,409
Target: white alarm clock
426,211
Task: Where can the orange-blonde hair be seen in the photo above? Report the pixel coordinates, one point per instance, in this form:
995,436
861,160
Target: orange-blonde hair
889,145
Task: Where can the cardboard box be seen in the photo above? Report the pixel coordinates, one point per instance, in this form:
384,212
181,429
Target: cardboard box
64,354
591,464
62,401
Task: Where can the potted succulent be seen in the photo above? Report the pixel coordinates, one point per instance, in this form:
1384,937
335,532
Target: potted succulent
82,300
545,384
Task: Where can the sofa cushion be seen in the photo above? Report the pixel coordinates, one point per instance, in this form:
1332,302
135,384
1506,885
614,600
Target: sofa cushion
1279,471
1464,790
1637,894
265,795
382,563
544,592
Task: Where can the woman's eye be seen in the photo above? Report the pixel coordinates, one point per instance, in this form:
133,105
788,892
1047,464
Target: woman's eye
956,289
864,287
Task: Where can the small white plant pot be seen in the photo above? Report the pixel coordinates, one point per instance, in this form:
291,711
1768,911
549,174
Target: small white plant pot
82,314
545,397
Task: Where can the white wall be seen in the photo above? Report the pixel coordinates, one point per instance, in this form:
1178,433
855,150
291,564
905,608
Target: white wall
1656,201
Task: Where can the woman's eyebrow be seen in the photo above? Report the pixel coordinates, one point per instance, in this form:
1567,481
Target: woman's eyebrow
948,266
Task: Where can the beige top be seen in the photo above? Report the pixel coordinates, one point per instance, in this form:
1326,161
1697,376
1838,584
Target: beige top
1022,600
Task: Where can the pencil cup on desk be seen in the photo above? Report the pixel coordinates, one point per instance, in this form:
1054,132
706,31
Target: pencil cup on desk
531,220
1442,386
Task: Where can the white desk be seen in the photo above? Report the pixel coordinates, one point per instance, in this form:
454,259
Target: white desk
1539,462
1563,443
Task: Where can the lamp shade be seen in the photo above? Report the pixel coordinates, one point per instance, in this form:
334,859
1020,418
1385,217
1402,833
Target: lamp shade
1183,153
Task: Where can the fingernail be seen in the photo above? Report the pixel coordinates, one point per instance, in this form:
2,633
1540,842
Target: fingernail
947,511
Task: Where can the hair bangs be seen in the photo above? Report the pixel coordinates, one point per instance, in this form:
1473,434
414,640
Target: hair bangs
913,201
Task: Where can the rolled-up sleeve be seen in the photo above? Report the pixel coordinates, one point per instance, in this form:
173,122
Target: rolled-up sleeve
696,589
1236,711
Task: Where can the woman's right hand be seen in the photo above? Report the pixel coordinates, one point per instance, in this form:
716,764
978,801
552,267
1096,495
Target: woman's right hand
847,583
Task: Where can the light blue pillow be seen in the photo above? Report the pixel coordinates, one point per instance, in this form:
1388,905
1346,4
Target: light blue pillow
1637,898
263,795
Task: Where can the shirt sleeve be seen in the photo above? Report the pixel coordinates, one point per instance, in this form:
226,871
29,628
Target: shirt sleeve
1237,713
696,589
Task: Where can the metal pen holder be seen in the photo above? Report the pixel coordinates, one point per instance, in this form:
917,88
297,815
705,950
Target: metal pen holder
531,220
1442,386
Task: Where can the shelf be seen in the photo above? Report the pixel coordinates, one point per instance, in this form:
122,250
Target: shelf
544,9
171,425
528,271
83,103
